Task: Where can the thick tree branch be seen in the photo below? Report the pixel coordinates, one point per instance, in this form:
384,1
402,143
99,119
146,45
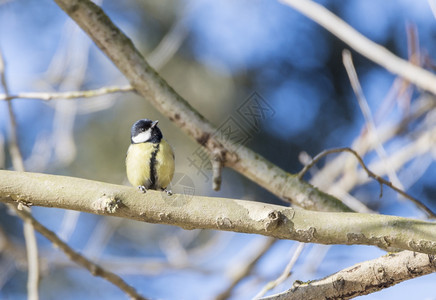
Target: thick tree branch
218,213
147,82
363,278
378,54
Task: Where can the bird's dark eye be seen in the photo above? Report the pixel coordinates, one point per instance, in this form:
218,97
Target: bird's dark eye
142,129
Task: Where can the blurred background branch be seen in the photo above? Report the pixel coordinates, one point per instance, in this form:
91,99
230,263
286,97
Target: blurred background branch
380,55
18,165
95,269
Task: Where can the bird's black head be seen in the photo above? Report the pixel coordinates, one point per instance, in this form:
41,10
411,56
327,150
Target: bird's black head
145,130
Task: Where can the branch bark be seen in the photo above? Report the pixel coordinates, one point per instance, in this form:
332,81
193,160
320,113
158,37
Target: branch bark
196,212
363,278
147,82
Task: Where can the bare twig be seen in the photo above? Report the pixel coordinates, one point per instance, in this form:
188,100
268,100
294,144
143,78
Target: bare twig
366,111
18,164
285,274
432,4
69,95
243,270
371,174
380,55
2,152
32,258
170,43
17,158
95,269
326,176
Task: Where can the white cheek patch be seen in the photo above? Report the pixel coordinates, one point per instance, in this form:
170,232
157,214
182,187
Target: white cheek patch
142,137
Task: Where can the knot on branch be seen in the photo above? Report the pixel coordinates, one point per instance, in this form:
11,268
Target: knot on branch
106,204
296,285
307,235
432,260
339,283
20,201
380,273
273,220
224,223
22,204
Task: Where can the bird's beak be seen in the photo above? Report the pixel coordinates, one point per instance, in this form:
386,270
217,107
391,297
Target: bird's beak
154,123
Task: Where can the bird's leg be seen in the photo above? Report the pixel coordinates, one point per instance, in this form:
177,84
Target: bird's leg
142,189
169,193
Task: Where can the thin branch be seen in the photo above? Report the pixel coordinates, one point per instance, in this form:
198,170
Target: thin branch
170,43
381,180
366,111
432,4
421,147
147,82
14,149
378,54
93,268
363,278
336,190
244,269
326,176
69,95
32,258
200,212
2,152
18,164
285,274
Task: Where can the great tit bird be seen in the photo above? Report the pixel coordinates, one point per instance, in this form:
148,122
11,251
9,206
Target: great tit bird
150,159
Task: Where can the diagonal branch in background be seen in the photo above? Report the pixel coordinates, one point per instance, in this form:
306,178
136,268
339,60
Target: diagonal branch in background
378,54
199,212
285,274
147,82
367,115
245,268
93,268
363,278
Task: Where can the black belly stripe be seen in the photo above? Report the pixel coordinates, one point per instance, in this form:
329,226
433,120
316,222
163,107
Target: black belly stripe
153,172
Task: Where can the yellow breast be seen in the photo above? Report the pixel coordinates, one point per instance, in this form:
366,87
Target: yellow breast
151,173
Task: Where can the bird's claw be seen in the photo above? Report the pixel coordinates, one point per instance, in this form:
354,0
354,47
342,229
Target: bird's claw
169,193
